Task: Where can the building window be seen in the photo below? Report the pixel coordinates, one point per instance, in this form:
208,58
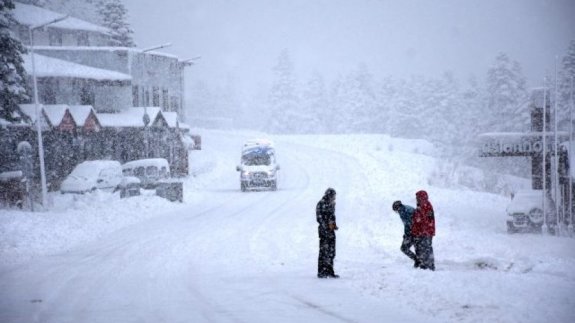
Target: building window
156,96
165,99
49,88
146,98
135,96
175,103
55,37
83,39
87,96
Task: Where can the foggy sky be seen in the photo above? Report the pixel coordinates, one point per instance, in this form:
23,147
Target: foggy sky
241,39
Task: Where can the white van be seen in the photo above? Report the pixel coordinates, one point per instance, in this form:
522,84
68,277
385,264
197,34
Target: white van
149,171
93,175
258,165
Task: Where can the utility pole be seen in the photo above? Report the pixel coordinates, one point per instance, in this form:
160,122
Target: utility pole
571,162
544,133
556,194
37,108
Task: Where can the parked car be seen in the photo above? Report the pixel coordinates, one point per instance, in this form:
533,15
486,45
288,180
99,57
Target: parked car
150,171
130,186
93,175
525,211
258,166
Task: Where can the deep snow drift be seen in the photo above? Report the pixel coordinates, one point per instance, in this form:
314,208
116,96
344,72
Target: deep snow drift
223,255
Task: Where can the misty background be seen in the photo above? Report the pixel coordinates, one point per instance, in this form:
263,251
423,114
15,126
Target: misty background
443,71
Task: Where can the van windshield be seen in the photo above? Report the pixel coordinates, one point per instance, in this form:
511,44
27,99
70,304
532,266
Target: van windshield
256,159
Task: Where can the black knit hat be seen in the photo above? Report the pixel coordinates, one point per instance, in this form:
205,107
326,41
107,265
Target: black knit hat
330,192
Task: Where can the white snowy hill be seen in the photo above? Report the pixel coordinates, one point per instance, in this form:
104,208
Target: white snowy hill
224,255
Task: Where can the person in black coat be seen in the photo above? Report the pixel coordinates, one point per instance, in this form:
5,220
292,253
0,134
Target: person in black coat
325,215
406,213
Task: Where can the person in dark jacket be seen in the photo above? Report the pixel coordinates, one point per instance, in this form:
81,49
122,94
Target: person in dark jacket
406,214
325,215
423,231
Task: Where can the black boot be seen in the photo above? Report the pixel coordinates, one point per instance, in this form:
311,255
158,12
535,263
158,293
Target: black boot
416,264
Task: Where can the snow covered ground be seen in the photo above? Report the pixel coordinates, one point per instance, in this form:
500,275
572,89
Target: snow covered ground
224,256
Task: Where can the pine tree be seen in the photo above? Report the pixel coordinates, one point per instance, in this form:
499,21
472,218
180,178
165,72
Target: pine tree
113,15
315,105
361,100
284,101
507,95
12,73
385,96
446,114
507,109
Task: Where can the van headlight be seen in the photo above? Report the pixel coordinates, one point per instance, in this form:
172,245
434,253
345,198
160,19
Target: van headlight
245,174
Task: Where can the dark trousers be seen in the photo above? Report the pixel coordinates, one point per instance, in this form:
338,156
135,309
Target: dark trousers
326,255
424,252
406,246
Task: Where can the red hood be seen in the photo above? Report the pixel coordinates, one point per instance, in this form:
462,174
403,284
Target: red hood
421,197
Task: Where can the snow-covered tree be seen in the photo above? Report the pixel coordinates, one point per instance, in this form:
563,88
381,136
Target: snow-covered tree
113,15
408,118
386,94
506,95
284,102
446,113
361,97
315,105
12,73
353,102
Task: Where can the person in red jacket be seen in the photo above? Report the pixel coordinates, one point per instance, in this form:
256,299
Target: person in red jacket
423,231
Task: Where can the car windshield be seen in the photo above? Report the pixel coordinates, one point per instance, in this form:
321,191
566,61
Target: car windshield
256,158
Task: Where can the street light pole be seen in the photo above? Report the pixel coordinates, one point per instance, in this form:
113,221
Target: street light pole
37,110
146,117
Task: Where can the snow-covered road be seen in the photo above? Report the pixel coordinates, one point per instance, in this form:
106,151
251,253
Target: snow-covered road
228,256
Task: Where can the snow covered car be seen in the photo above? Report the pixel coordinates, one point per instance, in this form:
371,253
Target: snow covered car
130,186
258,167
150,171
525,211
93,175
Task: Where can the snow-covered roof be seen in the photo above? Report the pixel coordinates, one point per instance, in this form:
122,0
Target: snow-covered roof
80,113
53,67
30,111
55,113
263,142
104,48
171,118
158,162
29,15
534,134
184,126
10,175
132,117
